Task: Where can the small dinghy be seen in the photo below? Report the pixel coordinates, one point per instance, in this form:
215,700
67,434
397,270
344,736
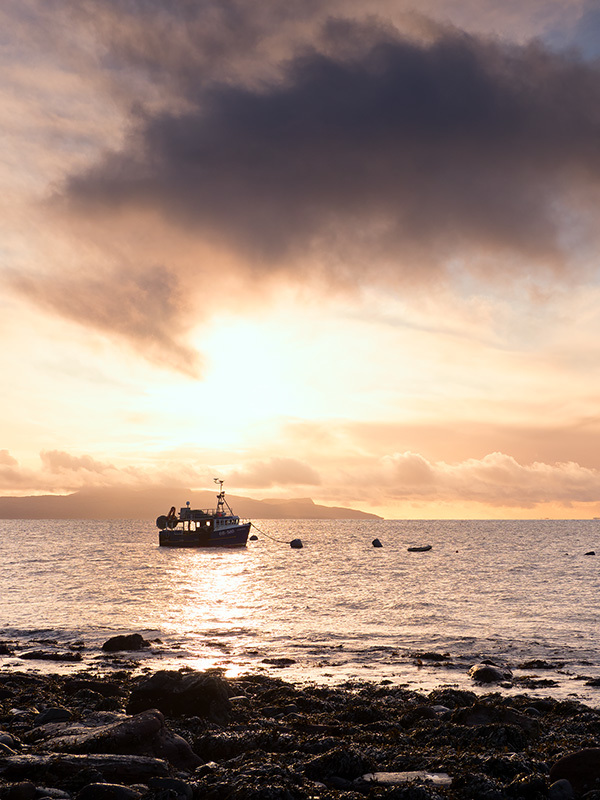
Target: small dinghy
419,548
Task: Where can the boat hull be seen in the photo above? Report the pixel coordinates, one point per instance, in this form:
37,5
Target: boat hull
236,536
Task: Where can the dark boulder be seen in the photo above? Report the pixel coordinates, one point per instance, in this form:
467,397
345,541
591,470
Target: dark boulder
489,673
176,694
144,734
581,769
132,641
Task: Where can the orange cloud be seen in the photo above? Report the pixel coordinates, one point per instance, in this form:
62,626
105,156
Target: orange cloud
280,472
496,480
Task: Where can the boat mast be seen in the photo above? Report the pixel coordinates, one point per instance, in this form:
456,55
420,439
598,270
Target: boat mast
221,502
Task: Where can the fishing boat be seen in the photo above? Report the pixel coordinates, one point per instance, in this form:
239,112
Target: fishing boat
208,527
419,548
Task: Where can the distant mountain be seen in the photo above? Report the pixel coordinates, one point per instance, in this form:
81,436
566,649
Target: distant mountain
150,503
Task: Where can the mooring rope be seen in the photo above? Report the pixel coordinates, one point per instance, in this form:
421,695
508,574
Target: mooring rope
273,539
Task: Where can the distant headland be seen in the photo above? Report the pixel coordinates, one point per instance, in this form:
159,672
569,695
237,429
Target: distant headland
110,503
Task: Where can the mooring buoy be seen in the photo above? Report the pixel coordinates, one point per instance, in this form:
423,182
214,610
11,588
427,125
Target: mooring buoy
296,544
377,543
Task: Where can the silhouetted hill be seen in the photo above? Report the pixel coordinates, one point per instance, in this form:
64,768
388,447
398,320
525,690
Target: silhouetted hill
150,503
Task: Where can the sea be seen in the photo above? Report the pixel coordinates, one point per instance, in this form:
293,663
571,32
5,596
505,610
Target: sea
521,594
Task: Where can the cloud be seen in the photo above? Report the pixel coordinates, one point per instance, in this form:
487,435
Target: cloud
6,460
397,153
58,461
400,480
275,472
497,480
282,143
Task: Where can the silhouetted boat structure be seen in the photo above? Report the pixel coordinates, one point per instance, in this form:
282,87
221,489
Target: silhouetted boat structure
422,548
209,527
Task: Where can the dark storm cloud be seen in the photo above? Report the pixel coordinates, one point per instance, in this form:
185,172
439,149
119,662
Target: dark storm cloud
382,150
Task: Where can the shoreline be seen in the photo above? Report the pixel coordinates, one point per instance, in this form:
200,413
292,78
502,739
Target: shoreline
259,736
414,670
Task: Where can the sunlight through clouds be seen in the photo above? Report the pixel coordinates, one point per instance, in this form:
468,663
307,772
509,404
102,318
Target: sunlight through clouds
346,246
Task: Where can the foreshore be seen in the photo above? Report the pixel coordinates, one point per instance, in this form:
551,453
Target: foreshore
185,735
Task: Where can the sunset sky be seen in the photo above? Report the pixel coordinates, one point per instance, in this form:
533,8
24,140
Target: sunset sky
340,250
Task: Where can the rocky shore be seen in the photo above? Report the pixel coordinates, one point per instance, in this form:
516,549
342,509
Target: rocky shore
185,735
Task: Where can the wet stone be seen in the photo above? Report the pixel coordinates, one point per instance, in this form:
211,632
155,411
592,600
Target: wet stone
561,790
107,791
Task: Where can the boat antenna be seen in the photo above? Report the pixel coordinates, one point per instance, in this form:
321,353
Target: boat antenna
221,502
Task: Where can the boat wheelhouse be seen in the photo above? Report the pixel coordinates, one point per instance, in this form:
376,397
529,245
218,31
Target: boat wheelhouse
208,527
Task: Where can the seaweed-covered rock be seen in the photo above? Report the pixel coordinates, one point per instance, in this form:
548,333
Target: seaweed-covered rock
143,734
200,694
348,763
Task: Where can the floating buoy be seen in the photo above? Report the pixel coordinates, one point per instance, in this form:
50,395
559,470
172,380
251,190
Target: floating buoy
377,543
296,544
253,538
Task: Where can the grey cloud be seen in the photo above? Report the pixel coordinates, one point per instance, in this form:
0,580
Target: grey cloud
430,151
363,156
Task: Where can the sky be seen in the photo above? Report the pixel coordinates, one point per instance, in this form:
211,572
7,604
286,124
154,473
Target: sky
341,250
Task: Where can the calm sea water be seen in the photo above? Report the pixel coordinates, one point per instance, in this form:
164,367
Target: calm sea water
336,610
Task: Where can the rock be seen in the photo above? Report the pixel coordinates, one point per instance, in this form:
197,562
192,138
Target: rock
346,762
133,641
25,790
430,656
394,778
581,769
541,664
561,790
485,714
57,714
489,673
144,734
47,655
107,791
104,688
115,768
182,789
199,694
